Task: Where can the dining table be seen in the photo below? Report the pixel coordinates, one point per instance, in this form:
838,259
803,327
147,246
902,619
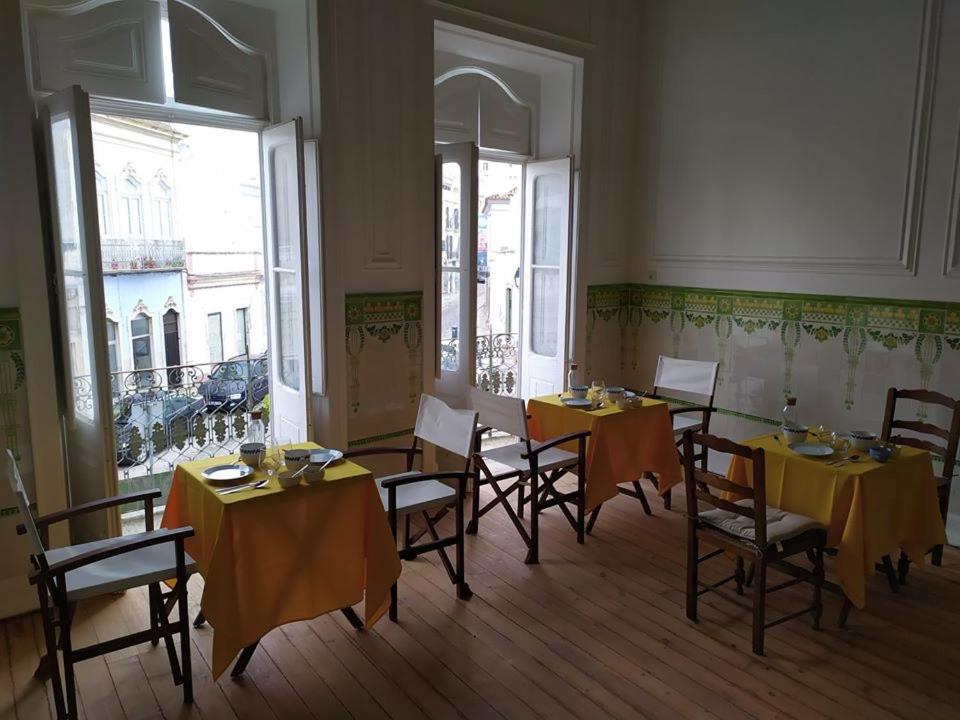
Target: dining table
624,443
271,556
871,509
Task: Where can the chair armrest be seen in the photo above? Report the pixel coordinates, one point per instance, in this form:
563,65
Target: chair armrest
408,478
582,435
692,408
122,546
92,506
382,451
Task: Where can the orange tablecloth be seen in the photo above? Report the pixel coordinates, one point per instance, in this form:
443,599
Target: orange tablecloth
870,509
623,444
274,556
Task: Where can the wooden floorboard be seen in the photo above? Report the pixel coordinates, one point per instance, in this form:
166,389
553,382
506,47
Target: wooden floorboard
596,630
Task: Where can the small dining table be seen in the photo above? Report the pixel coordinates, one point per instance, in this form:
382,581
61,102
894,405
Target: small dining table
623,443
272,556
870,509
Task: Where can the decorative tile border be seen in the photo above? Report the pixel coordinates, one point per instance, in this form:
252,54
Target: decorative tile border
923,326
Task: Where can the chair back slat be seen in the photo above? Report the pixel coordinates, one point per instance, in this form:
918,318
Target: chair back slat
715,480
441,425
951,435
698,483
506,414
718,502
698,377
16,486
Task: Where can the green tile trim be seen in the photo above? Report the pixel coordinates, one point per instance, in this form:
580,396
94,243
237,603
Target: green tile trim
11,338
383,308
377,438
15,510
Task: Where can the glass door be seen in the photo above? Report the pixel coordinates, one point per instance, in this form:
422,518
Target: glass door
85,386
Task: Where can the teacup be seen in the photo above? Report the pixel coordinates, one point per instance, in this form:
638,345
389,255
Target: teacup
579,391
289,478
314,473
613,394
794,435
252,454
296,458
881,453
862,439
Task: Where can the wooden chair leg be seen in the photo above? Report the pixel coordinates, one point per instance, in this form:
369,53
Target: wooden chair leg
642,497
50,638
739,575
759,605
886,567
520,496
474,523
936,558
185,660
581,500
154,610
392,518
593,518
693,554
844,613
903,568
667,500
533,554
818,578
463,590
69,682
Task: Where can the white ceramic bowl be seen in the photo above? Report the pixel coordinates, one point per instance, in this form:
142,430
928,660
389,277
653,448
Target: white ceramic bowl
862,440
314,474
613,394
288,479
252,454
579,391
794,435
296,459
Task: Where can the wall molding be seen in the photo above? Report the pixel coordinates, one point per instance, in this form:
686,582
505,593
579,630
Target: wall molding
905,263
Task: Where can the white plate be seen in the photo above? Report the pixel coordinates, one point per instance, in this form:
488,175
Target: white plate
577,402
322,456
812,449
226,474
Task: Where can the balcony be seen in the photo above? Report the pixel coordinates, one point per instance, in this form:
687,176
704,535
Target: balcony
497,361
123,256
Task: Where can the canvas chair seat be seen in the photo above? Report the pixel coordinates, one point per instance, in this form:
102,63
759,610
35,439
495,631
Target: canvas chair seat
153,564
419,496
781,525
511,456
682,423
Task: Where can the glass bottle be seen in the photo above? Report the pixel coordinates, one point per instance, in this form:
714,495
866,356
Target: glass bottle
573,376
790,417
256,433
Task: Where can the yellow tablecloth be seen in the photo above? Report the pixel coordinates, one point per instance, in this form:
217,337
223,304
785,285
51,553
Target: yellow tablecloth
870,509
623,444
274,556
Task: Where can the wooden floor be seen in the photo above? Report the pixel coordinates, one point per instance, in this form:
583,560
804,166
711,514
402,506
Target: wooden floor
593,631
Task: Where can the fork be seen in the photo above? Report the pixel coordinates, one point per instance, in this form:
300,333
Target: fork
249,486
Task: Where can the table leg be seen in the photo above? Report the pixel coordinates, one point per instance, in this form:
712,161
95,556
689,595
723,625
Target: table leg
243,659
352,617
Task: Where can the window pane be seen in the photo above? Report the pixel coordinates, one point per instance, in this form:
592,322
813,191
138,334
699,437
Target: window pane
545,308
548,230
140,325
112,346
450,320
215,337
450,250
286,206
243,330
288,324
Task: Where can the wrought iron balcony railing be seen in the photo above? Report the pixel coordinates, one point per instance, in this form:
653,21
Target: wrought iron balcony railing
497,369
138,255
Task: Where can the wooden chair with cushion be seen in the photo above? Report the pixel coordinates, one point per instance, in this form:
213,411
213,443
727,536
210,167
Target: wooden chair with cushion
429,494
695,380
64,576
537,465
762,539
938,441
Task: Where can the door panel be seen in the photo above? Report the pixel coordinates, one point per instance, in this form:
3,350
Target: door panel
285,228
87,411
457,272
548,218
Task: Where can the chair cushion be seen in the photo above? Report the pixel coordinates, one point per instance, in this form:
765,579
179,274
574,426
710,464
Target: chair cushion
418,496
682,423
155,563
781,525
510,455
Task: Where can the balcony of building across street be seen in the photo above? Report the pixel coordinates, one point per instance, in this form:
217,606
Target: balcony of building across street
121,255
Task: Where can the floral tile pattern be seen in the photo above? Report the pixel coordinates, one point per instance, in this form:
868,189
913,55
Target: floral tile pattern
841,352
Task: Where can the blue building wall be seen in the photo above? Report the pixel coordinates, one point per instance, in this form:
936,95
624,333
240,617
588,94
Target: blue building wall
150,293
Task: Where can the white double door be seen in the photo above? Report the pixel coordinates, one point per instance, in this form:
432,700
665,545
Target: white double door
85,389
546,268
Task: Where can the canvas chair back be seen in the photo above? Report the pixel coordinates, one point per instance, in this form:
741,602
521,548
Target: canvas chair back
441,425
505,414
697,377
16,486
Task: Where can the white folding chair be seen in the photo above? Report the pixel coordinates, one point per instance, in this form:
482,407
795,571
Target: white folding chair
535,464
64,576
692,380
414,491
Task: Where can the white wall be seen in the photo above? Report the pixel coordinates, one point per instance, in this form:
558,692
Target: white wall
806,147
